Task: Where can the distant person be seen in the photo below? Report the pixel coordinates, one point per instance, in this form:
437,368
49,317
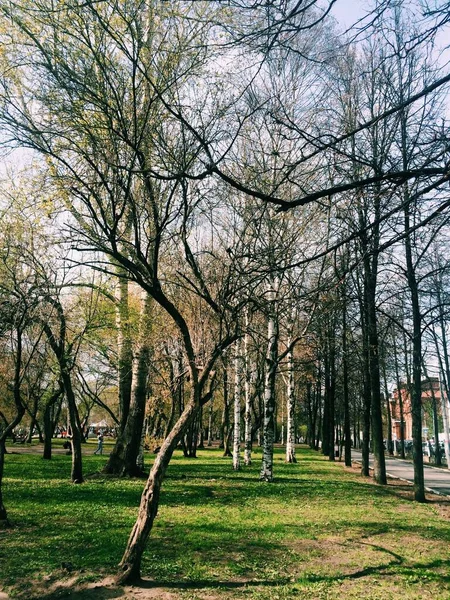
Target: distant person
100,444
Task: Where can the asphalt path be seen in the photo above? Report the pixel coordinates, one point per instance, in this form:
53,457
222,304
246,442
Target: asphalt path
437,480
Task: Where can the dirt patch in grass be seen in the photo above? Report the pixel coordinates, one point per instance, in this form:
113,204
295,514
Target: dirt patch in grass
105,589
342,559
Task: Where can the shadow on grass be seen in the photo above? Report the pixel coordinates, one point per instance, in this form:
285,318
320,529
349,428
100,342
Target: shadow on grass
198,531
395,567
77,593
392,568
106,592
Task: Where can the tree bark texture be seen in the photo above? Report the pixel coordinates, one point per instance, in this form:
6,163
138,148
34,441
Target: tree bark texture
49,424
290,410
237,407
247,410
3,514
266,473
124,349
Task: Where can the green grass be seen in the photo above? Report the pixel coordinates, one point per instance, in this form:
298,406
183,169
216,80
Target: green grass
319,531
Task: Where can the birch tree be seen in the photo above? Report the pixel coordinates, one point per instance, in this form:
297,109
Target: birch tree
237,407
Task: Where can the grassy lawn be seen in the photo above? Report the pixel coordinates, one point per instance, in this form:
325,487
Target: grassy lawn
319,531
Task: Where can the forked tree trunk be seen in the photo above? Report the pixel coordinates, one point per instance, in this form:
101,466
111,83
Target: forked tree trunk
59,347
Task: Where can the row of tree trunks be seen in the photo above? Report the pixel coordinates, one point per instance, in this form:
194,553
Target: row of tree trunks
123,458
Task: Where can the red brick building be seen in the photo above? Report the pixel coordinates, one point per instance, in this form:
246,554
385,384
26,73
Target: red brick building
401,403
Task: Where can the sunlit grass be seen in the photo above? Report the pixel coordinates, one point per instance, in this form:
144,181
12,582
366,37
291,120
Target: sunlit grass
319,531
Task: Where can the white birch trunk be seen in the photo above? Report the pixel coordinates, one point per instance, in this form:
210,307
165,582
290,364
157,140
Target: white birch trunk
237,409
290,410
247,413
266,473
210,418
445,419
140,457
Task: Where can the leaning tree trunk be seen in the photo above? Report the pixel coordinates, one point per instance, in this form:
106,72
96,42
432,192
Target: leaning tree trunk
123,458
131,561
266,473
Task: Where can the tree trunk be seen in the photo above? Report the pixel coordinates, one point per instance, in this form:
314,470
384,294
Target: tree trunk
331,393
365,445
74,421
124,349
400,401
225,428
290,410
131,561
416,391
266,473
237,408
326,405
3,515
33,421
390,446
49,425
123,458
379,464
248,392
347,429
210,420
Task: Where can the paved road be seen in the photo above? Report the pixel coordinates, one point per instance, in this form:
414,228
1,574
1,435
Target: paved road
436,480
